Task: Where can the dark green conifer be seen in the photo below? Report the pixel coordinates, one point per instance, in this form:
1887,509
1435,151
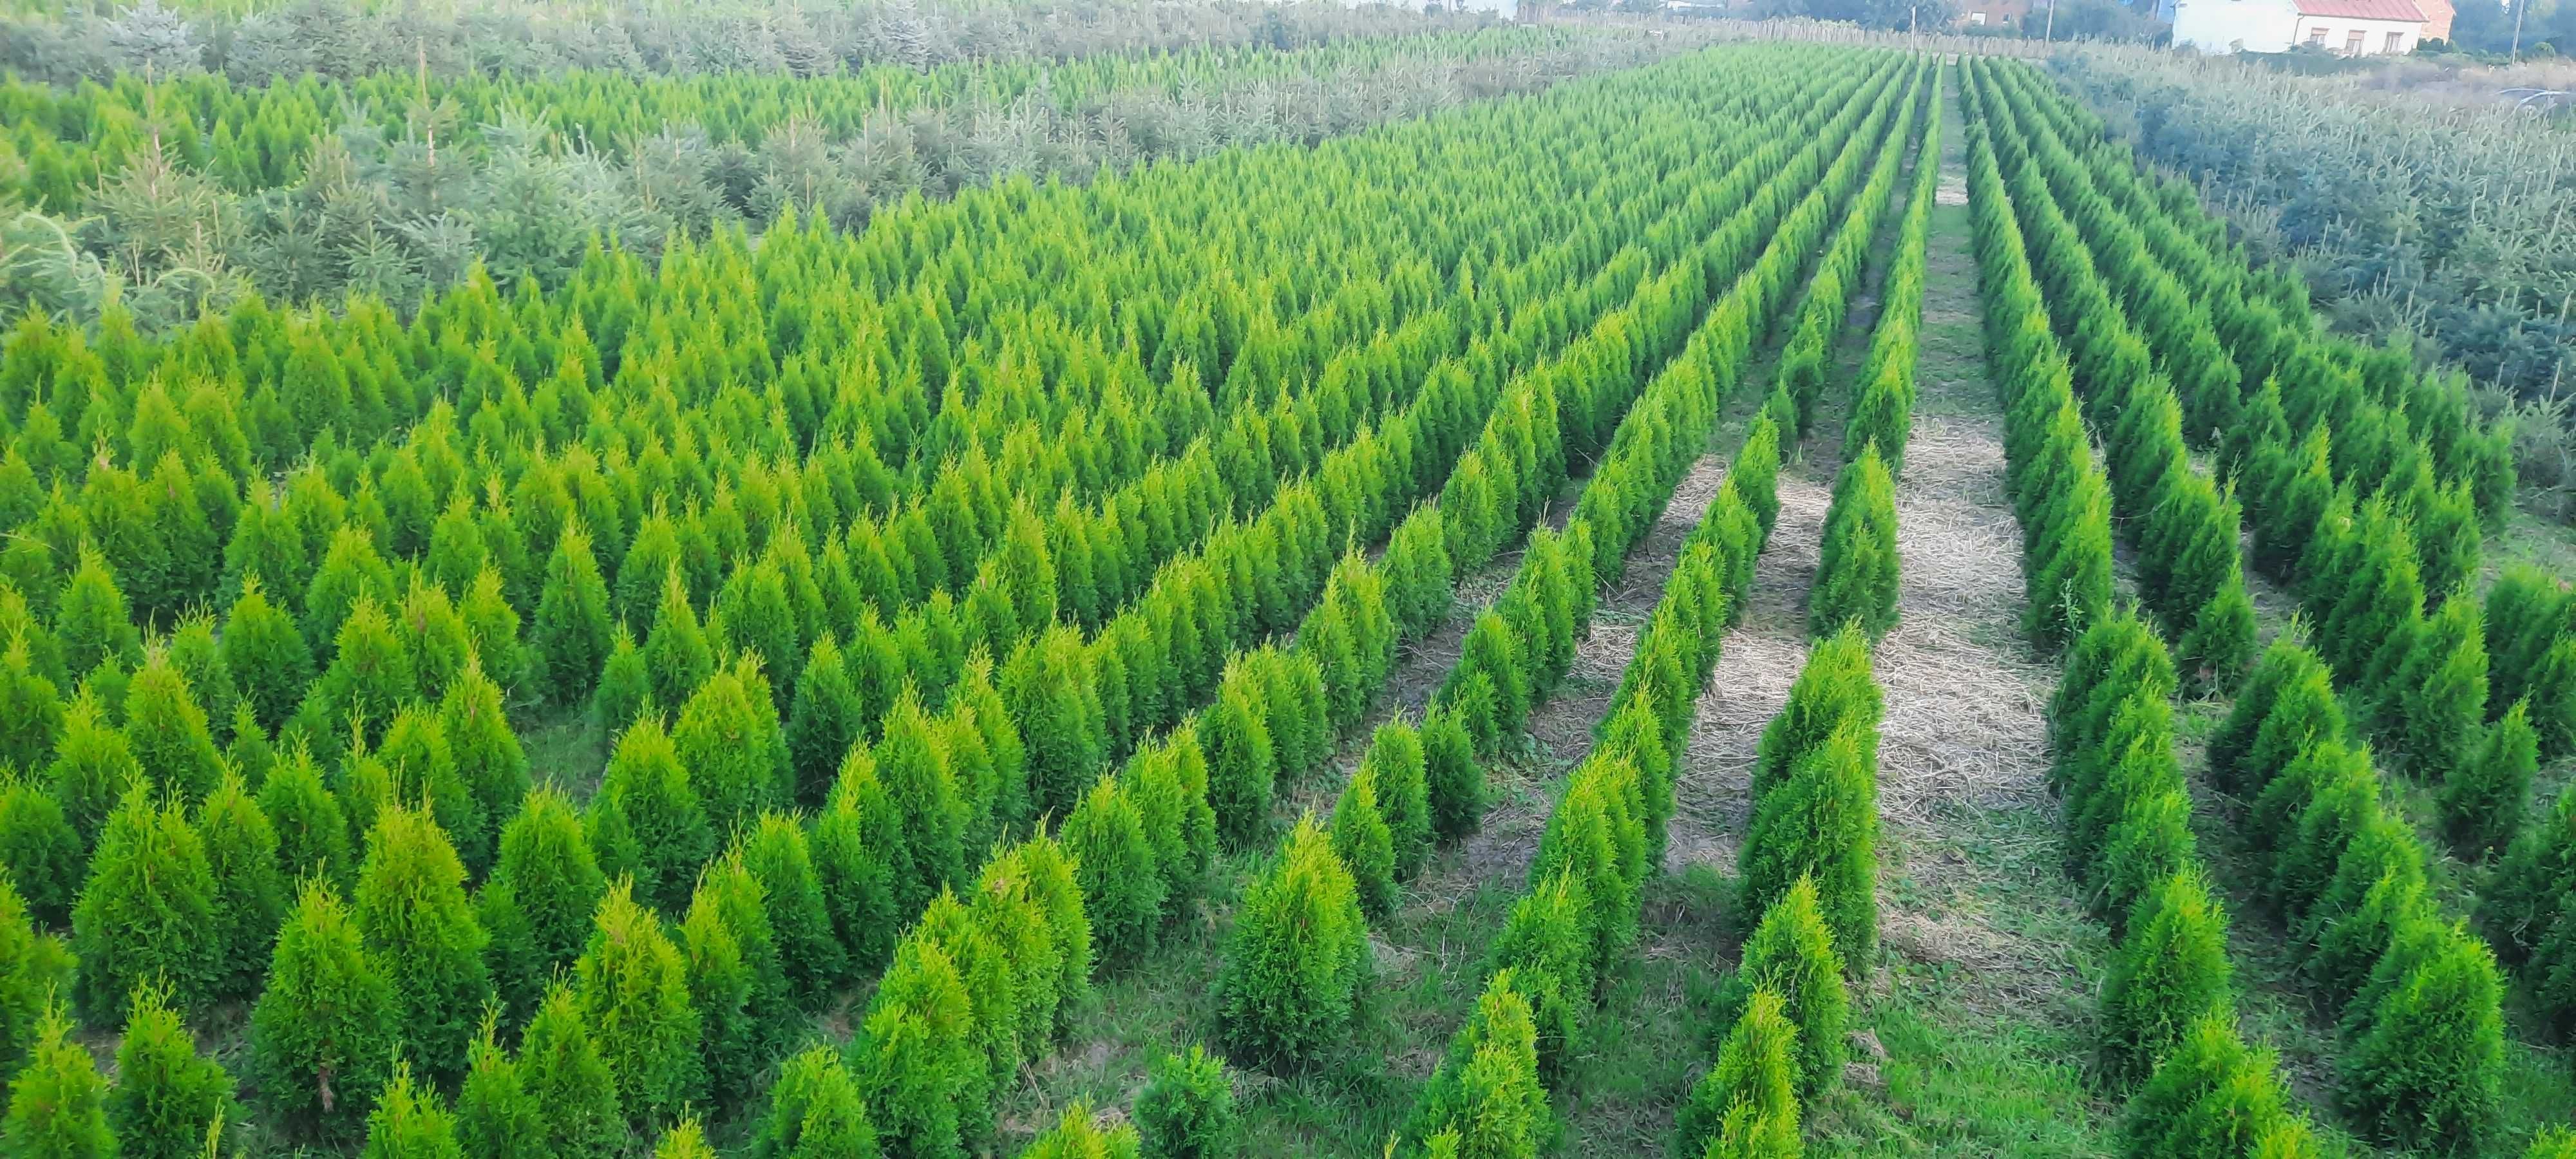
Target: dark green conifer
147,911
2484,796
776,853
1361,840
1454,782
170,1100
325,1030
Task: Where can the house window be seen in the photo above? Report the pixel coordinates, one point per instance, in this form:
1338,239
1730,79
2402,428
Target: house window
2317,36
2396,43
2352,43
1978,18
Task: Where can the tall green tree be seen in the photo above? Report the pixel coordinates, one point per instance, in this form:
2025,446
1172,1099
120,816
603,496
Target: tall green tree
148,911
324,1033
171,1101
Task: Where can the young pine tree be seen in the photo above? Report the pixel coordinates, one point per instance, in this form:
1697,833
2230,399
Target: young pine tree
324,1032
1294,970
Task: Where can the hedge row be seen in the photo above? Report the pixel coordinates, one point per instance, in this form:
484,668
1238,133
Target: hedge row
2169,1036
1296,965
2423,1045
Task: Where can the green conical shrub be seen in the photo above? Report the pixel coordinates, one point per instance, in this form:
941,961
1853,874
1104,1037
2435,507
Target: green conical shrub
2172,970
170,1101
911,761
1396,759
646,822
1487,1088
1242,768
168,733
1114,860
828,717
1821,821
1186,1110
58,1104
1299,955
35,970
1546,943
776,853
1079,1136
537,905
729,739
1857,569
496,1114
742,908
676,651
1791,955
1454,784
39,852
312,830
634,996
411,908
1361,840
411,1123
1747,1104
92,766
815,1111
2427,1069
324,1033
567,1079
2212,1096
147,911
860,856
917,1061
625,687
2485,794
570,640
250,890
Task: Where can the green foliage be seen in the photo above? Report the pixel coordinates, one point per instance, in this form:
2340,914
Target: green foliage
147,911
860,856
567,1080
324,1032
170,1100
1186,1110
815,1111
1486,1089
2212,1095
1821,822
1454,783
571,637
634,996
411,909
1747,1104
1123,888
1078,1136
1297,962
1397,761
537,905
646,822
250,891
1856,574
1242,768
496,1114
409,1122
2427,1066
312,830
2485,794
2172,971
39,852
729,739
57,1105
1362,842
35,969
776,853
168,733
1791,955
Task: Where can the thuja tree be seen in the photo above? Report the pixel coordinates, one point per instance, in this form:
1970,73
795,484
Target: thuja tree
1487,1088
35,969
171,1101
2172,970
646,822
1856,574
2425,1068
1186,1110
634,992
1114,861
779,859
1747,1104
1293,971
815,1110
39,852
148,910
1791,954
567,1081
2213,1095
410,1122
412,911
537,905
57,1105
250,891
312,830
325,1029
2487,790
571,636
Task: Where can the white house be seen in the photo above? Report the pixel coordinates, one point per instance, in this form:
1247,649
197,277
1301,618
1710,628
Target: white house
2348,27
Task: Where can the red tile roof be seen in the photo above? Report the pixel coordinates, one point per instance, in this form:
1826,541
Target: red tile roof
2363,9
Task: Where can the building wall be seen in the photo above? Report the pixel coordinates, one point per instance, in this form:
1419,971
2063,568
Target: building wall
2338,32
2234,25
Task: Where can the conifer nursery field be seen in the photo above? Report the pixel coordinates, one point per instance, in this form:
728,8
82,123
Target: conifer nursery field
1628,597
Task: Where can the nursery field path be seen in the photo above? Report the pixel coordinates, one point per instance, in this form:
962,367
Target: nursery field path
1981,1015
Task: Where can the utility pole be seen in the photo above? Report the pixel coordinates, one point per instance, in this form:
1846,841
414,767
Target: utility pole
2519,7
2048,31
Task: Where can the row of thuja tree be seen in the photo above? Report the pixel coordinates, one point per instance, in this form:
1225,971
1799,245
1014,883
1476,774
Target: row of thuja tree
2337,862
1808,869
1490,1096
783,911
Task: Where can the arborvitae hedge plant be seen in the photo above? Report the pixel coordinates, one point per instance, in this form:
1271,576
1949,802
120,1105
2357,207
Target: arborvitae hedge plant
2488,788
1791,955
147,911
2212,1095
1747,1104
1186,1110
1123,889
35,969
1487,1087
634,994
1299,956
411,908
1857,571
57,1105
411,1122
2172,970
2426,1069
170,1101
1361,840
324,1032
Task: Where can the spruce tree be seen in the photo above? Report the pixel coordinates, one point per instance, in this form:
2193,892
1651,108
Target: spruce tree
250,890
567,1082
1361,840
325,1030
1749,1098
2172,970
1299,955
147,911
58,1104
1115,863
634,997
570,639
1186,1110
170,1101
410,1122
411,909
1487,1088
537,905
